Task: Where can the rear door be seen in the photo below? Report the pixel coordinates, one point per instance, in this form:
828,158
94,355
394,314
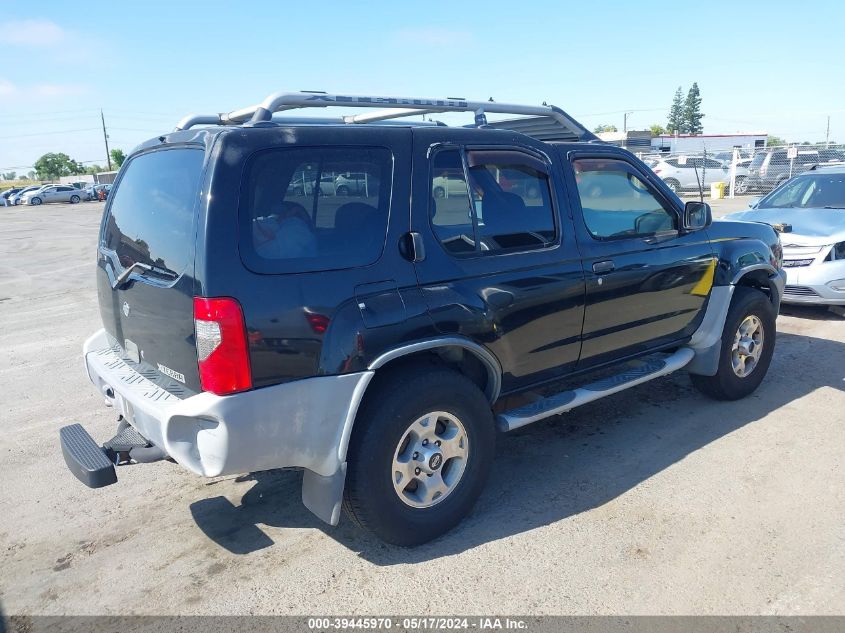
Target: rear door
646,282
150,219
501,266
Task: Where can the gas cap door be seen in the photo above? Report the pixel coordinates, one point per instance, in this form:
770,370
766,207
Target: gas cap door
380,303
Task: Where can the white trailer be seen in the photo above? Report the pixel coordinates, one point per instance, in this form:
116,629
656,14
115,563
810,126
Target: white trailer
710,143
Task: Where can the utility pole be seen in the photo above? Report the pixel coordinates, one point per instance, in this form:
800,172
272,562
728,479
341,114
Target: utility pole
827,133
105,138
625,122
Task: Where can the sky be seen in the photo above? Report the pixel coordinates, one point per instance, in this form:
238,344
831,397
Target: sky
774,67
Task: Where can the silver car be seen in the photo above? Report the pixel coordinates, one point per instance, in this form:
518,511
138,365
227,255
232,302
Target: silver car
679,173
809,209
53,193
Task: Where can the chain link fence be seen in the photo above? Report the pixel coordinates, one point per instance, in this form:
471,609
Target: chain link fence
741,171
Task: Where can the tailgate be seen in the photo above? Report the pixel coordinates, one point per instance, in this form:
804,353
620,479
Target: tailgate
145,266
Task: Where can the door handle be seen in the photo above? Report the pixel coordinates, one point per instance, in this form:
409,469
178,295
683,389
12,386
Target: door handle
606,266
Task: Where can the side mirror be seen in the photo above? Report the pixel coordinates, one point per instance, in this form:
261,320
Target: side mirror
752,204
697,215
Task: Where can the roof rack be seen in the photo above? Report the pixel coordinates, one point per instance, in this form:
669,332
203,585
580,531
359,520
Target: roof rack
829,163
384,108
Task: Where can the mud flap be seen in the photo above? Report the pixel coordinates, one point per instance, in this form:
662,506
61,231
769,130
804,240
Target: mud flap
324,495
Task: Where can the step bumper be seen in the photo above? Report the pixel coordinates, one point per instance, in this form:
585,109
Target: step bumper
88,462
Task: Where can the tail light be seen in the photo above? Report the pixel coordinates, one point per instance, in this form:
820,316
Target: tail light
318,322
222,351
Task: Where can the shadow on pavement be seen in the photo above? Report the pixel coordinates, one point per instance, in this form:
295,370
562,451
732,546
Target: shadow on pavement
813,313
553,469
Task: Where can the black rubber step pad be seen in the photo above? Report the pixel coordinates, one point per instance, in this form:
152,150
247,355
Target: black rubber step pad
85,459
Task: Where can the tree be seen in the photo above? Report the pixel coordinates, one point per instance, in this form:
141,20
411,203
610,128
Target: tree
692,111
53,166
31,174
775,140
605,128
10,175
117,157
94,169
657,129
677,123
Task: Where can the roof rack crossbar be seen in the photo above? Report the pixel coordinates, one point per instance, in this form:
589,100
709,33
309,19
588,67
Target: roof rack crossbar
396,107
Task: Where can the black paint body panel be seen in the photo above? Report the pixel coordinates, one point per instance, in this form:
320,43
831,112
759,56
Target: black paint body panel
542,313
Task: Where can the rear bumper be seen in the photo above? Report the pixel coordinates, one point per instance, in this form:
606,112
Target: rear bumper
303,424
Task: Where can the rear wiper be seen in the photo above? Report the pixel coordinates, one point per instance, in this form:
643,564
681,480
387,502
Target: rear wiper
146,268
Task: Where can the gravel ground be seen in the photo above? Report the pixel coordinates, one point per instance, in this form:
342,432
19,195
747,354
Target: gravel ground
653,501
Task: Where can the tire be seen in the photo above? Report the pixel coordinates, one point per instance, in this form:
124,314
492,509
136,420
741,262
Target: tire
74,199
439,192
343,190
740,188
35,201
673,185
383,436
748,307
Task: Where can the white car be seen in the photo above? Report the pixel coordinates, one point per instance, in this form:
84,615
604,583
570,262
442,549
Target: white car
16,198
809,209
684,173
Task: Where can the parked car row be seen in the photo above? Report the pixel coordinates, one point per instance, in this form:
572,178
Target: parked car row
343,184
35,195
762,171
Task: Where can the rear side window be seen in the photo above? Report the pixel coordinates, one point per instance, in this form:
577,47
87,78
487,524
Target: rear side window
500,202
151,215
311,209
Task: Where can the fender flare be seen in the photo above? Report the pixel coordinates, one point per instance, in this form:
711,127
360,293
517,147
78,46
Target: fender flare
323,495
707,339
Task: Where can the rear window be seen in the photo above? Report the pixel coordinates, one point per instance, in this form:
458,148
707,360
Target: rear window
758,159
151,215
311,209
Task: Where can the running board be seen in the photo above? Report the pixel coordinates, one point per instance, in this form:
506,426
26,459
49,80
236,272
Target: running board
635,374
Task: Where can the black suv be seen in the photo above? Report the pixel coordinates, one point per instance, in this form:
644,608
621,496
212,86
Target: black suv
370,340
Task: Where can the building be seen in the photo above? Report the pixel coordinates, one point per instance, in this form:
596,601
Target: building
698,144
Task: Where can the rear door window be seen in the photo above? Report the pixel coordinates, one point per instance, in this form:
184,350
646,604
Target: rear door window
312,209
151,214
501,202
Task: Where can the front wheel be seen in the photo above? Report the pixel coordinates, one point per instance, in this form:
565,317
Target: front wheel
343,190
418,459
74,199
673,185
35,201
748,341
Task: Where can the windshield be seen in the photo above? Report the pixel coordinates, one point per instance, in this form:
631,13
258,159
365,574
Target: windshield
758,159
817,191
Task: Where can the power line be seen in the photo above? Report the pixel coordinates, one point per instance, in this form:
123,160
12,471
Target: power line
51,132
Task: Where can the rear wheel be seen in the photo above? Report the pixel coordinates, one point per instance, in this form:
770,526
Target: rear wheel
439,192
74,199
418,459
343,190
673,184
748,341
740,188
35,201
